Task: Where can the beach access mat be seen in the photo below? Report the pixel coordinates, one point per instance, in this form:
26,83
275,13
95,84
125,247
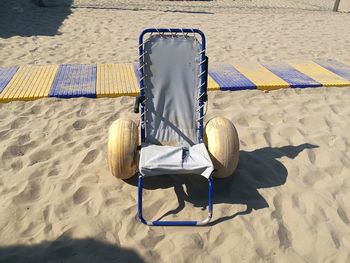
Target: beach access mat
73,81
113,80
28,83
6,75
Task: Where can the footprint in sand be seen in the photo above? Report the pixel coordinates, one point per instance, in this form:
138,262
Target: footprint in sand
81,195
343,216
40,156
30,193
14,151
19,122
79,124
17,165
36,109
22,139
90,157
53,172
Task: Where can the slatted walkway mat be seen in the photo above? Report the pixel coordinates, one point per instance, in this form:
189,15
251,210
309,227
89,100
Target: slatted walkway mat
320,74
6,75
261,76
115,80
228,78
75,81
293,77
212,84
29,83
336,67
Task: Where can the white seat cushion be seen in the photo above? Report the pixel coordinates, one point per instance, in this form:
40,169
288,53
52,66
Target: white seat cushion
162,160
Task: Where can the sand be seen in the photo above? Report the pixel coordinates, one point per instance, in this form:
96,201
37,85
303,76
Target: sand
287,201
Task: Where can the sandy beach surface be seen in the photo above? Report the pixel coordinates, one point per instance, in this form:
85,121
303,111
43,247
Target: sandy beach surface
288,199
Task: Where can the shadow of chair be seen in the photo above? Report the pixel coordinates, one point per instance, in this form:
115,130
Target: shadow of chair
256,169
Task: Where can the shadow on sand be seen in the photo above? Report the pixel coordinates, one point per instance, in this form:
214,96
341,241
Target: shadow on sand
68,250
26,18
257,169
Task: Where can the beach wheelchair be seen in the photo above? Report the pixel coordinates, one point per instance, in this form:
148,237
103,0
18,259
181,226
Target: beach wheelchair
173,77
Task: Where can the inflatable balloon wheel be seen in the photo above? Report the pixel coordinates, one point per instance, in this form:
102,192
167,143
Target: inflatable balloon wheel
221,139
123,154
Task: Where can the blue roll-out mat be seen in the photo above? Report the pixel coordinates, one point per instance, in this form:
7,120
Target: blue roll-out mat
229,78
74,81
6,75
336,67
295,78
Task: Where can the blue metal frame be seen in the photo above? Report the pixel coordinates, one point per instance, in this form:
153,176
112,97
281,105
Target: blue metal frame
175,223
203,84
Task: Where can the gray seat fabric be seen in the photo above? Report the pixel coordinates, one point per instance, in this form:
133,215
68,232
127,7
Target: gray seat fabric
171,85
160,160
171,88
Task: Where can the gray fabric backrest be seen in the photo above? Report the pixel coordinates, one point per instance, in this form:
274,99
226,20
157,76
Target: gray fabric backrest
171,89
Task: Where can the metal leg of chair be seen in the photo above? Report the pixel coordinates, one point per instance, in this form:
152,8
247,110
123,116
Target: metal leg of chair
176,223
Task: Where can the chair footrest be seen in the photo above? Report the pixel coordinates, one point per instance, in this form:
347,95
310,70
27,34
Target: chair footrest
175,223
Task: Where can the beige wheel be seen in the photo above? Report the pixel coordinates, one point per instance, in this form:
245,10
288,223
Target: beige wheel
122,148
221,138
